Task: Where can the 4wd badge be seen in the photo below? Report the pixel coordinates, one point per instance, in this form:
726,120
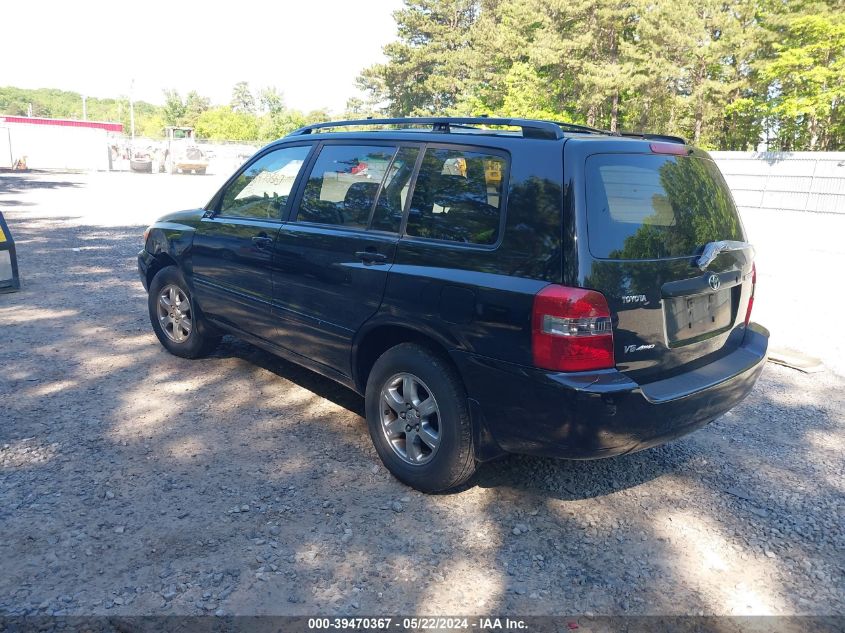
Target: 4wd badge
637,348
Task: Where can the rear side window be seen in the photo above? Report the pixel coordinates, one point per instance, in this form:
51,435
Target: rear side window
391,202
457,197
261,191
648,206
343,185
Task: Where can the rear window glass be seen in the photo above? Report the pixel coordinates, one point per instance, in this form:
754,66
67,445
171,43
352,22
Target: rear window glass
648,207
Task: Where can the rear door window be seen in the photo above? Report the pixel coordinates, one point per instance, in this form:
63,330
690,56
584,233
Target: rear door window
458,196
650,206
343,185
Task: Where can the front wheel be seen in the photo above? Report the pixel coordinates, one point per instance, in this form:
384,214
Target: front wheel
418,419
175,317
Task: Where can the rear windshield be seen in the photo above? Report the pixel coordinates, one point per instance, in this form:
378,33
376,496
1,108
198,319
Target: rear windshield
648,206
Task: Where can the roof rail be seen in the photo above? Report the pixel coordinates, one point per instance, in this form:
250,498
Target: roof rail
655,137
530,128
576,127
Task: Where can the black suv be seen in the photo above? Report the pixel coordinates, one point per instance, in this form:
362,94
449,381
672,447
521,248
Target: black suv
489,285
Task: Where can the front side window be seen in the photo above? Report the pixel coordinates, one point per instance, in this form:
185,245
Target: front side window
458,197
343,185
261,191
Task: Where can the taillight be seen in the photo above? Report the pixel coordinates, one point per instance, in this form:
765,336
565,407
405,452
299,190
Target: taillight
571,330
751,299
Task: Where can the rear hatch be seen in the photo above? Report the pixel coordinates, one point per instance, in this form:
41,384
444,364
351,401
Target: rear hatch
649,218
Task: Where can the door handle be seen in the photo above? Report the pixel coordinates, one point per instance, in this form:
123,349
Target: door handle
262,240
371,256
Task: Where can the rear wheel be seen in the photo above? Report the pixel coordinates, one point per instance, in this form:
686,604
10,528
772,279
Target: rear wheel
175,317
418,419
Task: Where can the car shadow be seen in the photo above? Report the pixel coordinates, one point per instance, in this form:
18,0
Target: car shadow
232,347
573,479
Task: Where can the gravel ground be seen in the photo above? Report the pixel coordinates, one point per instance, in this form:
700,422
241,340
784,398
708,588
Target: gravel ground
135,482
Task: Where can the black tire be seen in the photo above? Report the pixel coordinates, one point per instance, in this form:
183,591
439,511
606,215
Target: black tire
202,338
453,463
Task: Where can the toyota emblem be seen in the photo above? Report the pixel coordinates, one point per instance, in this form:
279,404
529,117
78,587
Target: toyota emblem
714,282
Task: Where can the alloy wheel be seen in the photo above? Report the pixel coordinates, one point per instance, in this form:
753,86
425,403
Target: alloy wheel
174,313
410,418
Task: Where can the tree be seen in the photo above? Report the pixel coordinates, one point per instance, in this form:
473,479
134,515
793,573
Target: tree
242,99
507,78
223,123
282,124
195,105
590,42
427,67
355,109
271,100
807,75
174,108
714,71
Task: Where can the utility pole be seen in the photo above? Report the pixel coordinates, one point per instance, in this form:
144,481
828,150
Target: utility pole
131,112
84,108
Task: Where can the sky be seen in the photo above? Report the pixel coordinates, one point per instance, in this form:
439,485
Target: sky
311,51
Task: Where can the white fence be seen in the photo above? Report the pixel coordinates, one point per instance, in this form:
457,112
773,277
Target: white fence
785,181
793,208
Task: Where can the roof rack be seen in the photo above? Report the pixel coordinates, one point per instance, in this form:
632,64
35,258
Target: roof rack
530,128
655,137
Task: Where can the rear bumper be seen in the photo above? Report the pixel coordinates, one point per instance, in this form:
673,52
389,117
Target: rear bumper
601,414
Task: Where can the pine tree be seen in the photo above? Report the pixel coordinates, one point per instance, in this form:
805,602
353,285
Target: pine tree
427,67
719,72
242,99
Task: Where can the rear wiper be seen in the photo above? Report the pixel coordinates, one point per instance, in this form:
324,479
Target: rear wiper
712,249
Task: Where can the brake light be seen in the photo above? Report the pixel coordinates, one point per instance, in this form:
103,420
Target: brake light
751,299
669,148
571,330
